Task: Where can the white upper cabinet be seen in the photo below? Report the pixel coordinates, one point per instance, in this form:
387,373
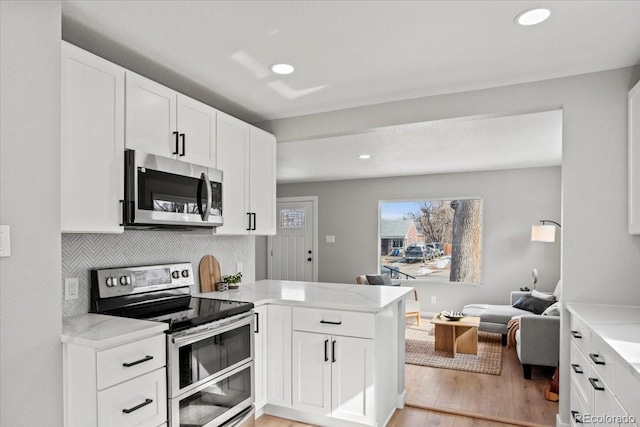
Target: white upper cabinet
92,146
634,160
163,122
246,155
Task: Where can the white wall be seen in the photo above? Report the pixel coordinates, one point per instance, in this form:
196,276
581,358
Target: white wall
513,200
30,348
600,260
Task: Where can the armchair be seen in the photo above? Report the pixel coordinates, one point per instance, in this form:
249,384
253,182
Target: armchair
538,342
411,307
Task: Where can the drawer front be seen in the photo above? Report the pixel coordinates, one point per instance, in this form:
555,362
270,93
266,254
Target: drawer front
577,409
603,399
140,402
580,334
603,360
626,390
347,323
124,362
580,369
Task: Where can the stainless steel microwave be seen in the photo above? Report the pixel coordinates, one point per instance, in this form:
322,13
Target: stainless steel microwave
166,193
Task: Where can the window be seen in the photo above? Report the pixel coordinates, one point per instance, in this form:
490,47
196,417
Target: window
443,239
292,218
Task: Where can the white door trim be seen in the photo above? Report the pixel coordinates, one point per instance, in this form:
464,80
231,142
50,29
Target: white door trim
314,230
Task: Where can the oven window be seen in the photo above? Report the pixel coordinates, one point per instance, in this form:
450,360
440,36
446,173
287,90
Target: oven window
213,401
212,355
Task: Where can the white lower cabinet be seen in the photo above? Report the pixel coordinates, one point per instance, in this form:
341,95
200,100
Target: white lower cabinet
116,386
333,376
260,357
279,355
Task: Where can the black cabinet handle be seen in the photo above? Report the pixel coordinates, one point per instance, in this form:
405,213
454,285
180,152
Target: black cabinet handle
257,323
595,358
333,351
137,362
576,334
122,211
249,229
594,384
326,350
176,134
135,408
182,135
254,220
330,323
576,369
576,416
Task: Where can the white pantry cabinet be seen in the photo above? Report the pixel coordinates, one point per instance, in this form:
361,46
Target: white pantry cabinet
260,357
92,146
166,123
246,155
634,160
279,355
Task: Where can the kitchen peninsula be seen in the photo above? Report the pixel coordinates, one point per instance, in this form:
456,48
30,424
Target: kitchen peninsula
326,353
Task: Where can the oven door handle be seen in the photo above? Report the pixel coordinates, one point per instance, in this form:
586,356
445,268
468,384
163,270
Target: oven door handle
213,330
204,214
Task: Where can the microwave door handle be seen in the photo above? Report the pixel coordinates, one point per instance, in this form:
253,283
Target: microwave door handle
204,214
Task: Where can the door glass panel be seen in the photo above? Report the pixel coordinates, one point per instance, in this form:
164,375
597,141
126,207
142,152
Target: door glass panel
212,402
212,355
292,218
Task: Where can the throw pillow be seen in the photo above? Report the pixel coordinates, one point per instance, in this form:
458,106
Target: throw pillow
552,310
540,295
379,279
532,304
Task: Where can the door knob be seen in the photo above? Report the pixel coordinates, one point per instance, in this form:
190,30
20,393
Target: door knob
309,259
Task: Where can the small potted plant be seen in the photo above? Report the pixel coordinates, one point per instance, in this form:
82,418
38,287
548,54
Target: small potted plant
232,280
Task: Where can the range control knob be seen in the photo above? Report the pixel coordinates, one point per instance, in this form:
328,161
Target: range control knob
110,282
185,273
125,280
175,274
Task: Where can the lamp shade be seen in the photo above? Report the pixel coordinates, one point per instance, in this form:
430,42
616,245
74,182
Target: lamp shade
543,233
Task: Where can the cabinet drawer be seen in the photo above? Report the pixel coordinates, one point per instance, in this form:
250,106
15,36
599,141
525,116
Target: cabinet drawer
577,408
603,360
347,323
580,369
124,362
580,334
140,402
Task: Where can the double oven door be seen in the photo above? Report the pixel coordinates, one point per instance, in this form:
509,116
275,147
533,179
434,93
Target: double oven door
211,372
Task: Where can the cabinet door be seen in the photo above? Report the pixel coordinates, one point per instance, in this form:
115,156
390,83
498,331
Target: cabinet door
92,149
279,359
232,155
352,379
634,160
151,117
197,127
260,358
262,184
311,372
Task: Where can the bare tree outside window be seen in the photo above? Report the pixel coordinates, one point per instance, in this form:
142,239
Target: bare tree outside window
434,240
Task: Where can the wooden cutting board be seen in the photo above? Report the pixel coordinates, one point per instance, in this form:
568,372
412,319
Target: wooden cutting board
209,273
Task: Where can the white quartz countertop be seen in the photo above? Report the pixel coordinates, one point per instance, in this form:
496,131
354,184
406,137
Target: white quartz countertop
99,331
336,296
619,328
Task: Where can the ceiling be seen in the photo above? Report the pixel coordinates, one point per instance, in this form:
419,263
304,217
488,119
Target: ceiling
355,53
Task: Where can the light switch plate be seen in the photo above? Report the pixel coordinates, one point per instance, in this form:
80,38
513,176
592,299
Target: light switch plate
330,239
238,267
5,241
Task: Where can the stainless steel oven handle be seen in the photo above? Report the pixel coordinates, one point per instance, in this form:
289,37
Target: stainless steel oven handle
213,328
207,184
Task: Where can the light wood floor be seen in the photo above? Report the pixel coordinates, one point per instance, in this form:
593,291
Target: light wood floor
505,396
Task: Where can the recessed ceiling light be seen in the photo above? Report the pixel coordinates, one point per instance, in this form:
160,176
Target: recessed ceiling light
282,68
532,16
364,156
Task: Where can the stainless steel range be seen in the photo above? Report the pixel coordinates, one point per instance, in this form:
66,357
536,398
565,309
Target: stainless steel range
210,370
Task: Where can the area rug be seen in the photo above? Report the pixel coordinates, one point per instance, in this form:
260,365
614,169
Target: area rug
419,350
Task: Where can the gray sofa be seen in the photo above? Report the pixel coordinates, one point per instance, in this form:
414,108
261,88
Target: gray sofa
537,340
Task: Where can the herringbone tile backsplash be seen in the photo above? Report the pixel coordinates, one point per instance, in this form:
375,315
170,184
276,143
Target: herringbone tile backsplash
82,252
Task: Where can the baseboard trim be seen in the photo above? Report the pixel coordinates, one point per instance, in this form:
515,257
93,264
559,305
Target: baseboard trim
475,415
559,422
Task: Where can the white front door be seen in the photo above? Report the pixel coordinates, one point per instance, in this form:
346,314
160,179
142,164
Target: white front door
292,250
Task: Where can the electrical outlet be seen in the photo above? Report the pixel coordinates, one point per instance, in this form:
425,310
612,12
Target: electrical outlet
433,300
238,267
70,289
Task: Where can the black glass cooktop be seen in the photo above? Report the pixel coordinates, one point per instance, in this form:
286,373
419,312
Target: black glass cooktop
186,312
